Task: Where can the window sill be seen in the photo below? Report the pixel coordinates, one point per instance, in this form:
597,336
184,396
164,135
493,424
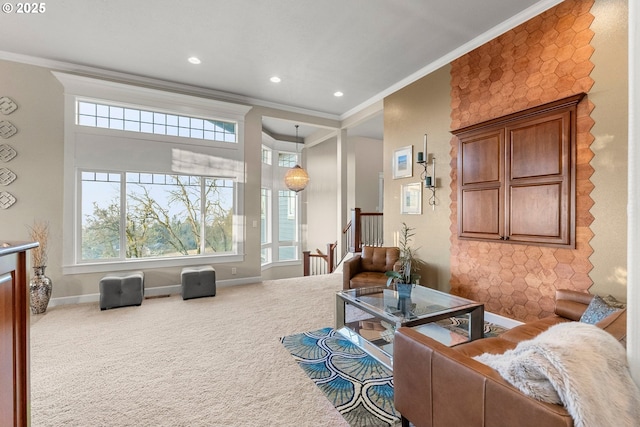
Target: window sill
147,264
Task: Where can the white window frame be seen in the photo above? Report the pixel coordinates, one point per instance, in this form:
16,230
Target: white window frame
177,154
273,179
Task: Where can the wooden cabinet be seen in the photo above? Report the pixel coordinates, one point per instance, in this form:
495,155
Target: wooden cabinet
14,336
516,176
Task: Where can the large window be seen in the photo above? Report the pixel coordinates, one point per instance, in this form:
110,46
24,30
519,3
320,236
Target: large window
131,119
152,178
163,215
280,218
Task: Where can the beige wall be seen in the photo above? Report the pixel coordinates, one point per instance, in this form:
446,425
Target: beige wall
321,226
609,94
422,107
364,164
38,165
411,111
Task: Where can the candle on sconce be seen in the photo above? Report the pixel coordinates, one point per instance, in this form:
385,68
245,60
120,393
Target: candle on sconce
427,182
420,157
426,153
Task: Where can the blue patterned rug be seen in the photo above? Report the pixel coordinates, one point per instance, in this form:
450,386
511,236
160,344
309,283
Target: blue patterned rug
359,386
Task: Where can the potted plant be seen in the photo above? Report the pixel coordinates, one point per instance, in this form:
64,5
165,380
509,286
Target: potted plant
405,276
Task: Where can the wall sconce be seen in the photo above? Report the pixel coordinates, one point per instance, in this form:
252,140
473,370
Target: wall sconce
428,176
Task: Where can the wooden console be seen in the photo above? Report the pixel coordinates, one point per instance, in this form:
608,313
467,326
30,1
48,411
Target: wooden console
14,335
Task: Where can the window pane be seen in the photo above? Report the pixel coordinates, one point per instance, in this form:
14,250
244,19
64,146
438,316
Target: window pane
266,155
287,160
163,220
135,120
102,110
287,223
265,256
265,223
287,253
219,215
86,108
100,233
116,112
131,114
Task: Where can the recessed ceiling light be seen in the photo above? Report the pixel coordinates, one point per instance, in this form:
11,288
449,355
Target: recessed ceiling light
194,60
338,94
275,79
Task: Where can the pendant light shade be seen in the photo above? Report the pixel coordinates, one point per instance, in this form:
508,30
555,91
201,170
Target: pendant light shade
296,178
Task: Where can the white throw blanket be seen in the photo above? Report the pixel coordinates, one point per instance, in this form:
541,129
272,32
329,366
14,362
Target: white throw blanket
577,365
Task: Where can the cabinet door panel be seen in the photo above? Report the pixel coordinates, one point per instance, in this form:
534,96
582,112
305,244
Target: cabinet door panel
539,149
481,158
535,211
480,217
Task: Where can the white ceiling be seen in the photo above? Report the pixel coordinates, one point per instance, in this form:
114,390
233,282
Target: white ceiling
364,48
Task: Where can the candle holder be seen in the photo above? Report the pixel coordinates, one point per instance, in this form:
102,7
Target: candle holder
428,176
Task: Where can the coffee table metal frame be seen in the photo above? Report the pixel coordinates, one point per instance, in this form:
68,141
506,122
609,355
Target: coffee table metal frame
453,306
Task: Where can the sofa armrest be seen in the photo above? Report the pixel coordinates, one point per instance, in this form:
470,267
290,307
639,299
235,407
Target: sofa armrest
571,304
433,383
350,268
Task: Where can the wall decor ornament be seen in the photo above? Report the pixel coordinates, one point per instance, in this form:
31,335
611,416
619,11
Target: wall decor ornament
411,199
7,153
7,129
6,200
7,176
402,162
7,105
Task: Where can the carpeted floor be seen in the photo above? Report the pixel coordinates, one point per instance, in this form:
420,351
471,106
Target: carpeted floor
203,362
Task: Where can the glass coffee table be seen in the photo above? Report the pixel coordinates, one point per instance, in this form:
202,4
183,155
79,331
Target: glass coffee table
370,316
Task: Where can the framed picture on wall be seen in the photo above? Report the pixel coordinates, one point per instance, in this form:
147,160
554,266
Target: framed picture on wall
403,162
411,199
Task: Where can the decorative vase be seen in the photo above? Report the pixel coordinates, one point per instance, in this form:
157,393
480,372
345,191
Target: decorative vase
404,290
404,298
40,290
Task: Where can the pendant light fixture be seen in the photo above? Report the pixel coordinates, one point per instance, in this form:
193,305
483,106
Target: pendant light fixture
296,178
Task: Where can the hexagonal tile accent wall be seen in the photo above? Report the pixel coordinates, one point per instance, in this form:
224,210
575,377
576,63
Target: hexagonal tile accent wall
544,59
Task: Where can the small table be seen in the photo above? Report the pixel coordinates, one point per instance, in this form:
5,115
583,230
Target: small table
360,311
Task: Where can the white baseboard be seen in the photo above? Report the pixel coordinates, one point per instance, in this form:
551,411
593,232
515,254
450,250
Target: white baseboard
149,292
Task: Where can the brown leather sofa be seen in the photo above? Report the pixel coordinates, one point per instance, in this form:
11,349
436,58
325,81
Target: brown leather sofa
440,386
368,268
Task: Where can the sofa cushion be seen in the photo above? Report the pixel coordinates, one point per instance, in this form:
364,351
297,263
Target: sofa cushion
597,310
379,259
613,302
368,279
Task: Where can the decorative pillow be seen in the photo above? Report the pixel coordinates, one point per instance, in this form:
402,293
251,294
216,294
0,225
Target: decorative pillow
613,302
598,309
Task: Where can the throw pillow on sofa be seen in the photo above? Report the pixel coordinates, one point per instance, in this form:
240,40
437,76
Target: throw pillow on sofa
597,310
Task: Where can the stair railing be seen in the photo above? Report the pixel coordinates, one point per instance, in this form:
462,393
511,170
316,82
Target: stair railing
364,229
319,263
